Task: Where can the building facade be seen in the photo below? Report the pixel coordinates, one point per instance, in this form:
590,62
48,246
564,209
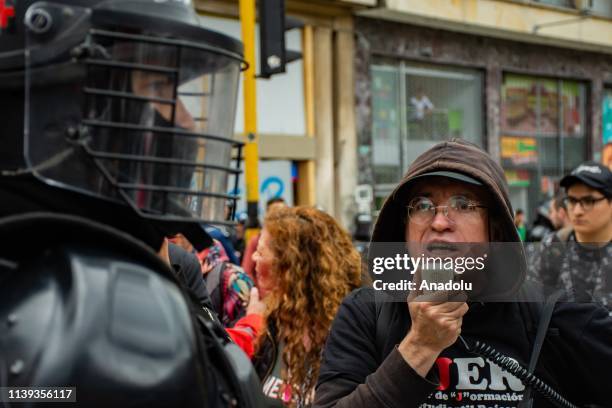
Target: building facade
382,80
306,117
527,81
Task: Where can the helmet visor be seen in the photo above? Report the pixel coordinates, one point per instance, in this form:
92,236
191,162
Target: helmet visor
136,118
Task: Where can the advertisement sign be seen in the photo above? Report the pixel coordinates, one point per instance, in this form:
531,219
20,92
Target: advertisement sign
517,178
520,150
275,180
606,131
606,115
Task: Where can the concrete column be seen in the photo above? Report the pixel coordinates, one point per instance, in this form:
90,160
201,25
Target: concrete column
596,94
345,128
493,86
306,187
324,119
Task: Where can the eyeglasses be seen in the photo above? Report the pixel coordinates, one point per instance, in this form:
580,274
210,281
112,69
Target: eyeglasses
586,203
421,210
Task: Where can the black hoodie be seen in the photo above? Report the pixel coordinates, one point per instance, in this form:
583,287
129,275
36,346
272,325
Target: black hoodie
361,364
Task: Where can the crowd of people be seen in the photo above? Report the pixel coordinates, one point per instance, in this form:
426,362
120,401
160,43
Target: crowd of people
279,305
118,282
425,354
569,246
301,307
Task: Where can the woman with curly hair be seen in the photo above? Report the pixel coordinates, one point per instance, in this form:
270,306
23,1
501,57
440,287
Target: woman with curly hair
306,264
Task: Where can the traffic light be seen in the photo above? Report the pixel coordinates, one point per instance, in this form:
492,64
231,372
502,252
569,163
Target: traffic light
272,26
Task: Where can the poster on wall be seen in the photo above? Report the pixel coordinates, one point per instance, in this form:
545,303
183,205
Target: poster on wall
275,180
519,100
519,150
517,178
540,105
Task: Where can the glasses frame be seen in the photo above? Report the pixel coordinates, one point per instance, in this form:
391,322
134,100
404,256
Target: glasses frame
474,204
585,207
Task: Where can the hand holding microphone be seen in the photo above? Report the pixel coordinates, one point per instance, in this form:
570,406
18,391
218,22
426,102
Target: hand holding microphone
436,322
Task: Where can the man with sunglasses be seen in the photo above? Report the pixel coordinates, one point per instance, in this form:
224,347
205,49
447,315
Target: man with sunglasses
580,259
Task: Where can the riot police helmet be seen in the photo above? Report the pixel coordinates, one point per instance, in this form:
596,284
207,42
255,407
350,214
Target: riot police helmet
129,101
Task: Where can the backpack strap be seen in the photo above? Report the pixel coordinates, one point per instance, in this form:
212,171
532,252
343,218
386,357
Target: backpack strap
213,281
546,313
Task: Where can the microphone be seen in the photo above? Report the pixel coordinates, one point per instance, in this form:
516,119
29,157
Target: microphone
433,279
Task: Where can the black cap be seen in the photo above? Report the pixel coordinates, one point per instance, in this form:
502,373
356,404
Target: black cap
593,174
451,174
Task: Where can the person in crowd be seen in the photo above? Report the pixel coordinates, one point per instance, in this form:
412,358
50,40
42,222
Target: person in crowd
224,235
519,223
306,264
556,229
248,264
238,307
421,125
606,154
116,166
186,267
238,236
542,225
579,258
421,104
421,352
228,285
558,213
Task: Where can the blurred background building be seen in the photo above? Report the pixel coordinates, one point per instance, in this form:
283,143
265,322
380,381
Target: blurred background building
306,117
383,80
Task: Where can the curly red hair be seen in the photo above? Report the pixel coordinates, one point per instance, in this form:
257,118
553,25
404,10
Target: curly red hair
315,266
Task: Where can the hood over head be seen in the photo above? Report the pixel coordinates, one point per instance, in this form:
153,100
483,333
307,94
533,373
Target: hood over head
473,165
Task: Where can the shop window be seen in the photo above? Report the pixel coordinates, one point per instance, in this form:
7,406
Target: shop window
280,100
602,8
415,106
543,135
386,125
558,3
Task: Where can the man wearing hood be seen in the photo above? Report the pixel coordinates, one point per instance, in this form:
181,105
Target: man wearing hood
420,354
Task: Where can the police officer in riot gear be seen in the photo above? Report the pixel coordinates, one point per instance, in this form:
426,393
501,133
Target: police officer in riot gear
117,120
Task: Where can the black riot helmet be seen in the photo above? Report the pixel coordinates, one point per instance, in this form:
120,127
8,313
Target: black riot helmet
129,101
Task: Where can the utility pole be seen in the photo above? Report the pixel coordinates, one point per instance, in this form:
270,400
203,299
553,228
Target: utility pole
251,151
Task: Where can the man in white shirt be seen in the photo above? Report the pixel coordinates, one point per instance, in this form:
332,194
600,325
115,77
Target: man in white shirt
421,104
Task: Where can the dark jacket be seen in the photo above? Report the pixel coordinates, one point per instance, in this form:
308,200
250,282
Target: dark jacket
560,261
188,270
264,361
266,354
361,365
